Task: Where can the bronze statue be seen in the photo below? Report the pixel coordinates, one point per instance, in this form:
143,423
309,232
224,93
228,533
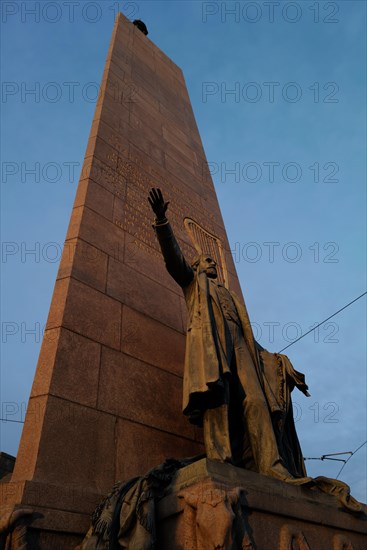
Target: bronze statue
234,388
240,393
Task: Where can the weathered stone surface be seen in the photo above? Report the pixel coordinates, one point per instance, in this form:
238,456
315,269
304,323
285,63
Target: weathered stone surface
27,456
85,441
152,342
212,505
143,294
97,231
136,393
88,312
69,367
114,339
84,262
150,447
141,257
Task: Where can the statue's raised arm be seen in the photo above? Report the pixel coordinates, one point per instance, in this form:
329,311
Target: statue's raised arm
174,259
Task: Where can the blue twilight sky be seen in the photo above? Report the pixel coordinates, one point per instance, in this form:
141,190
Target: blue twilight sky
278,90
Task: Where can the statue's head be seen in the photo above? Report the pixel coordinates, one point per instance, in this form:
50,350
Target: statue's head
205,263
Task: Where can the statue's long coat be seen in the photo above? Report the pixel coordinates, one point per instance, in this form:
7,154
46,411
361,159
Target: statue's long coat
207,358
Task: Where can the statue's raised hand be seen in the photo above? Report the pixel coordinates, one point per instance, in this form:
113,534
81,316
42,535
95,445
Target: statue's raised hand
157,203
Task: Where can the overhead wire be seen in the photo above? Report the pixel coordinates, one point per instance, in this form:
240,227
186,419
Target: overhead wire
353,453
331,455
322,322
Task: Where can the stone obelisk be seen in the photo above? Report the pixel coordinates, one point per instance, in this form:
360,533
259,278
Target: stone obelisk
106,399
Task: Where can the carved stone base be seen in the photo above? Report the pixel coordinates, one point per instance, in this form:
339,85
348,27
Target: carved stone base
213,506
208,506
57,516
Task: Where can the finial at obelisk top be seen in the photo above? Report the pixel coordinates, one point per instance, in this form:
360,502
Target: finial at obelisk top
141,26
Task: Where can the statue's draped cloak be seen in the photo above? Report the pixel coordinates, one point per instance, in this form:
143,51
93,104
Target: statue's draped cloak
207,358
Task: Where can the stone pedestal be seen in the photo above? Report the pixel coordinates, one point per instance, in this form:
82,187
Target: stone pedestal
214,506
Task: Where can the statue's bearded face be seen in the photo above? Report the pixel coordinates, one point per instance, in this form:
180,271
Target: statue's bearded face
209,266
